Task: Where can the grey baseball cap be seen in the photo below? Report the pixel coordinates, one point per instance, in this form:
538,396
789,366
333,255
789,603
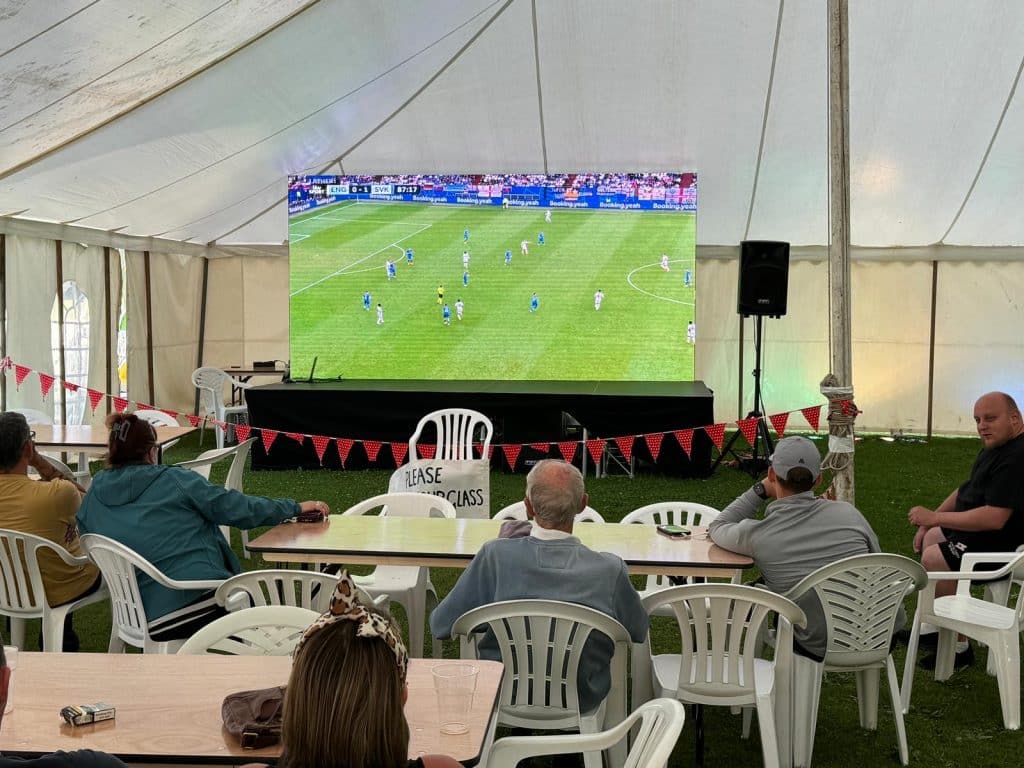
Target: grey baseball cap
793,452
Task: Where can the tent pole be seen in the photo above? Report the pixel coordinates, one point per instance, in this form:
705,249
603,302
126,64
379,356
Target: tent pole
149,328
931,346
62,370
840,382
107,341
3,320
202,326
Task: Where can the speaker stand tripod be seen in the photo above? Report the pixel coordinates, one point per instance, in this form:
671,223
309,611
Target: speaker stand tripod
761,451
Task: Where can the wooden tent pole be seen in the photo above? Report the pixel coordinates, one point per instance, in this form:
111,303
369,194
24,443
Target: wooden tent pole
841,358
202,326
108,362
149,329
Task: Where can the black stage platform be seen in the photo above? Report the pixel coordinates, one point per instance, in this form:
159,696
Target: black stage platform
521,411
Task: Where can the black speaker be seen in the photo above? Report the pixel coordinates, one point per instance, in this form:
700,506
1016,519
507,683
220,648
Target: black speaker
764,278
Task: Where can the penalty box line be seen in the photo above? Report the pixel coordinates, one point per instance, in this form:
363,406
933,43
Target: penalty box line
347,267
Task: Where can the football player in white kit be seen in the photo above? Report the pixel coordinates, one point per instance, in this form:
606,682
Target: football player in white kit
380,315
547,215
691,333
524,248
459,306
664,261
598,298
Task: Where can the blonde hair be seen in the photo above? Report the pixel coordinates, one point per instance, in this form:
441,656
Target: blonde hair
343,705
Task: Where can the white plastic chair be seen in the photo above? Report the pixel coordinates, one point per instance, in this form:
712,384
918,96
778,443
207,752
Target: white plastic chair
407,585
997,626
159,419
62,469
281,586
999,592
860,597
118,563
517,511
686,513
23,595
233,482
458,429
719,625
660,723
210,382
266,630
541,643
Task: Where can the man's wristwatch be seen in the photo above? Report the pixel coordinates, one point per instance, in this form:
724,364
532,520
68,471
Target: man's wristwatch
759,490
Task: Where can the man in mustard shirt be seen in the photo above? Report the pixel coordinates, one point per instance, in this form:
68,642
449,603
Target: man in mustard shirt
45,508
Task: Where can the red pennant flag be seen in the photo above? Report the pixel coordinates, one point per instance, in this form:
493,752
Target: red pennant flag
749,429
94,398
595,448
542,447
478,449
779,423
568,449
654,443
242,432
172,414
120,404
344,445
268,436
626,446
717,434
193,419
298,437
685,438
511,454
320,444
20,372
427,450
372,448
71,387
490,452
144,407
812,414
45,384
399,452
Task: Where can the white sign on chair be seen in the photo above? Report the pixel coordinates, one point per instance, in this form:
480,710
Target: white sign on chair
466,484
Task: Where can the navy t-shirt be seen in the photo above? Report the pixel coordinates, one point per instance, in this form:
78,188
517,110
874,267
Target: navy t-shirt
996,480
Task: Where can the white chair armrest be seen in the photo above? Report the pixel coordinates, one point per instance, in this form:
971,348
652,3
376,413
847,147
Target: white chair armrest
165,581
70,559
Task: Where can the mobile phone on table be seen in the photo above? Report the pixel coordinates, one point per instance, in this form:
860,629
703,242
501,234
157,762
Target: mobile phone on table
675,531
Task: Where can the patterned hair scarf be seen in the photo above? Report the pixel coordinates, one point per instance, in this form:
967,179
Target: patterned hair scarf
345,606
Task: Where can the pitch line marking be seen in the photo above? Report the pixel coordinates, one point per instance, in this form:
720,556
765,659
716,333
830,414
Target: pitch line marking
634,286
344,269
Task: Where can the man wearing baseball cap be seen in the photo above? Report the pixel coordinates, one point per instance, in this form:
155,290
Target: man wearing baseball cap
798,533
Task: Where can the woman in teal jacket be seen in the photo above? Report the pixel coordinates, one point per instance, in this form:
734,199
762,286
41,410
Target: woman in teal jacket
170,516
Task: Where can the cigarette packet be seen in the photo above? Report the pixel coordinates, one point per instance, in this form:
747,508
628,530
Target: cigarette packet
83,714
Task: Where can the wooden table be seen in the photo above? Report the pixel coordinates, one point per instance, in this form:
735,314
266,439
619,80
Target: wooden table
437,543
168,707
85,438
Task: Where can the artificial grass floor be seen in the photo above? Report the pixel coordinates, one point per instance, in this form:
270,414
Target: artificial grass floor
955,723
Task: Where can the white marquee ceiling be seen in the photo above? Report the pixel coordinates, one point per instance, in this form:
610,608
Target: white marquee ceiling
180,119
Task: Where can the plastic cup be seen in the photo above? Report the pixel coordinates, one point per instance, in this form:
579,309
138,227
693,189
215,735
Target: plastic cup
11,653
455,685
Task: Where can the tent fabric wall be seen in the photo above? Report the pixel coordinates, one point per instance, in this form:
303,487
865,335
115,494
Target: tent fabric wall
176,281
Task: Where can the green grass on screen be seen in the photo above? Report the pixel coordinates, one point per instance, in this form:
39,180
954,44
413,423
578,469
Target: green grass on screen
639,334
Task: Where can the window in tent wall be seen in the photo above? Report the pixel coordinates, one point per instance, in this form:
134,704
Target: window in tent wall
73,304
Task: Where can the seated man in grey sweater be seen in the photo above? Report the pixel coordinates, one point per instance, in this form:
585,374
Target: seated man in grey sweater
550,564
798,533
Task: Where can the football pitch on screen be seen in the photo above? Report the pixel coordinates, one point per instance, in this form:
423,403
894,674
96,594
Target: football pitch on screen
638,334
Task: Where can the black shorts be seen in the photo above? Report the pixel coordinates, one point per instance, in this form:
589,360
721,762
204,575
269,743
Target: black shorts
955,547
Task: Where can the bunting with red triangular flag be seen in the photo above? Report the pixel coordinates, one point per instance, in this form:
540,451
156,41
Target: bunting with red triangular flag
242,432
542,447
596,449
717,434
20,372
71,387
653,441
320,444
685,439
144,407
625,444
45,384
344,445
169,412
511,452
94,397
399,452
120,404
779,423
268,436
372,448
748,427
427,450
568,449
193,419
812,414
490,452
298,437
